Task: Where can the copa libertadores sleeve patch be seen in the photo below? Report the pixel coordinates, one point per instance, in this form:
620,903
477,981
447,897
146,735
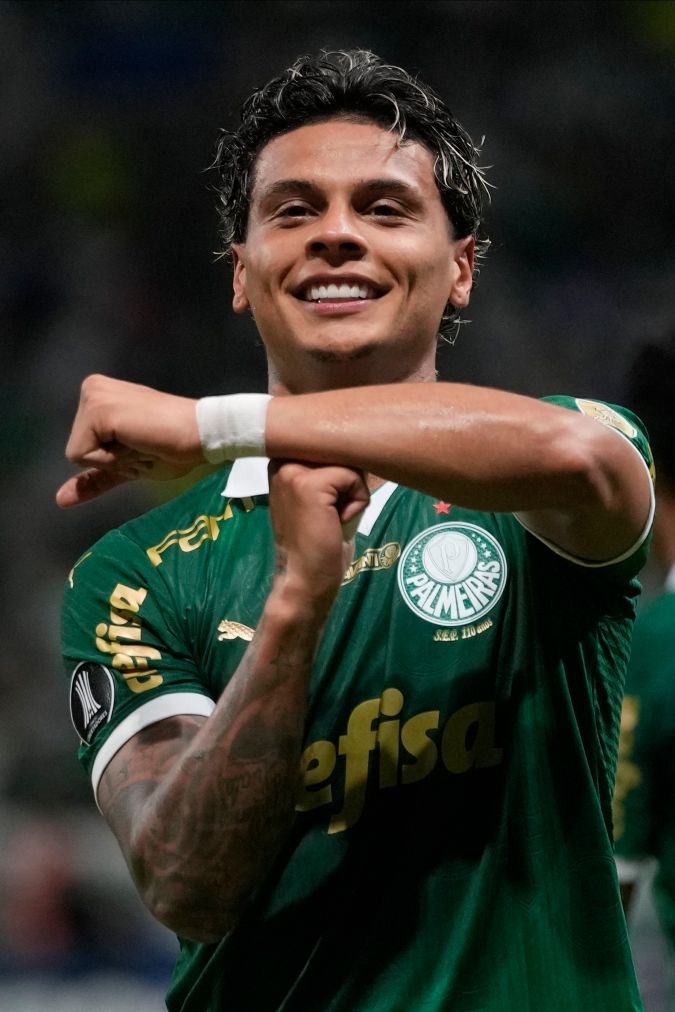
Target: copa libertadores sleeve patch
92,694
607,415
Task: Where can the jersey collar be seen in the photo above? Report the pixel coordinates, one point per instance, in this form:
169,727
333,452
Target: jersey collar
248,477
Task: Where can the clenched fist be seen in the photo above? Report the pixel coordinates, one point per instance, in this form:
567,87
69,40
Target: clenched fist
314,507
123,431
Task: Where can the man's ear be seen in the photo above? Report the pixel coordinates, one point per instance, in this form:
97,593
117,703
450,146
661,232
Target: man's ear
462,271
240,301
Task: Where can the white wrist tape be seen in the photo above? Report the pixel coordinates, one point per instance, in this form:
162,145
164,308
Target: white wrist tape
232,426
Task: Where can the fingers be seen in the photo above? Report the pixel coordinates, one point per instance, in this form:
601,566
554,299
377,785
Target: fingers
353,498
351,505
89,485
91,432
343,488
123,431
115,418
104,456
350,527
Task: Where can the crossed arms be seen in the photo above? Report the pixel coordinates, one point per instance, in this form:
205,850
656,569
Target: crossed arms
201,806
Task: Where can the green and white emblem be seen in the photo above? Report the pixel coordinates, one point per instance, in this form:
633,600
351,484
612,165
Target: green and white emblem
452,574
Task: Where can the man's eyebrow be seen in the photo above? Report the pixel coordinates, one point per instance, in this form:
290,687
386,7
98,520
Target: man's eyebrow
390,185
283,187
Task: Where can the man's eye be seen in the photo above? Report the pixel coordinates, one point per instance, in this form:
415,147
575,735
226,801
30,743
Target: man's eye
293,211
385,210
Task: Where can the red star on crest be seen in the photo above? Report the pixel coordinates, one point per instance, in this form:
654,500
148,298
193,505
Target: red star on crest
442,507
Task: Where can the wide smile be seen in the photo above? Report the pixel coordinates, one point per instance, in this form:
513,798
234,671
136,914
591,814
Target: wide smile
328,298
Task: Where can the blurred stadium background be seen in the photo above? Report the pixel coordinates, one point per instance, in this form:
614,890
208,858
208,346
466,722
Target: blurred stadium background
108,120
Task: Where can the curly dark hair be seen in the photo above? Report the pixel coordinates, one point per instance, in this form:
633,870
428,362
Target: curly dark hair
352,84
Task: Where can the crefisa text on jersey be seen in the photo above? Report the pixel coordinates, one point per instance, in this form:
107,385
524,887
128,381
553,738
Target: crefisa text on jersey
403,752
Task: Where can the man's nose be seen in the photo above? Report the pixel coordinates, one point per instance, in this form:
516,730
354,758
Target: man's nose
337,236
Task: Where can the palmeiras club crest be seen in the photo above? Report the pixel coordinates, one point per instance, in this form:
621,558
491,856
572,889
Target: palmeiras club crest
452,574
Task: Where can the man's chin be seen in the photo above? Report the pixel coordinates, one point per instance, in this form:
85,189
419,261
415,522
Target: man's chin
338,352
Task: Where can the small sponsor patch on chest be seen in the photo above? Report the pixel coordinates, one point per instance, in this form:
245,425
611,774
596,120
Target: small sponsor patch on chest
452,574
92,694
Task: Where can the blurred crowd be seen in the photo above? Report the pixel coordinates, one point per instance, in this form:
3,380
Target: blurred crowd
108,123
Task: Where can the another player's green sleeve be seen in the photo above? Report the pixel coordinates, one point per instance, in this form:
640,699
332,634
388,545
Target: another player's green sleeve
643,805
634,790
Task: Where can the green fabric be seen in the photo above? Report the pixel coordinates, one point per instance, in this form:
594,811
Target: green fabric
453,845
645,791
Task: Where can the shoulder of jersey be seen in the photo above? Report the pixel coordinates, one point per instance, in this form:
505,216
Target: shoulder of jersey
204,498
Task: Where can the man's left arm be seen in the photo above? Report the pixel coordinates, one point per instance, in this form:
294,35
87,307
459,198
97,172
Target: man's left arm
572,481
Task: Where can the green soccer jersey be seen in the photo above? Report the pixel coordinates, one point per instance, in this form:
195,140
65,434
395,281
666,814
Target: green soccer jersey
452,848
645,785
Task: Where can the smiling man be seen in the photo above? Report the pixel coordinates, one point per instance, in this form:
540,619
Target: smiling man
373,281
354,721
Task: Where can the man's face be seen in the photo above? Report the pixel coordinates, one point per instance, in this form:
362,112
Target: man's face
349,256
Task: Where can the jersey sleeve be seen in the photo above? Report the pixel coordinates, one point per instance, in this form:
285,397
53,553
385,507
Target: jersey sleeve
125,650
629,427
634,790
644,789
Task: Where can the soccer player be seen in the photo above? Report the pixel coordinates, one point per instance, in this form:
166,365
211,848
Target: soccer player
372,769
645,788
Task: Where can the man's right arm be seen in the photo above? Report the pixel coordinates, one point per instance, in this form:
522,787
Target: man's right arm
201,806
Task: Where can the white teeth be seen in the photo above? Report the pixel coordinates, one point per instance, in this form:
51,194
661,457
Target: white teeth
337,292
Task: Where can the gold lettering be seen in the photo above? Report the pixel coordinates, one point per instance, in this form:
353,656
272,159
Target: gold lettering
356,746
136,673
112,644
388,737
446,636
131,657
628,775
462,747
373,558
318,763
141,683
204,528
416,741
137,652
630,715
116,633
126,663
125,603
467,742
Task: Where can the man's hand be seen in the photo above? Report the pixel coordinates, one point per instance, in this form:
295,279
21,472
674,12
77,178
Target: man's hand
314,509
123,431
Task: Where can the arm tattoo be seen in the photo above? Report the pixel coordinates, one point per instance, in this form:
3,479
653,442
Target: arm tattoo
201,807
